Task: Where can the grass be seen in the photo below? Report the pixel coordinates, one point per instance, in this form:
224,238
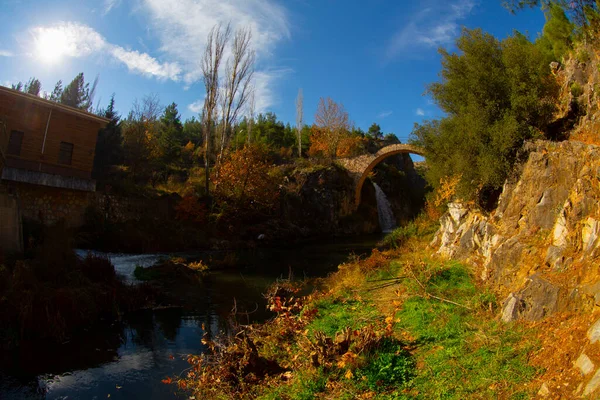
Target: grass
465,353
400,324
335,315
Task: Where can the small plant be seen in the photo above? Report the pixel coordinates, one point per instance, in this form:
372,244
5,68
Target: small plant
391,366
198,266
583,56
399,236
576,89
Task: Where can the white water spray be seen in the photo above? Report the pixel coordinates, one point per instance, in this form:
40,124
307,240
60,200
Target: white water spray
386,215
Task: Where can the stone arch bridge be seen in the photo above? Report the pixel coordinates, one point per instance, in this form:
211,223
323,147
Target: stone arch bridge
360,167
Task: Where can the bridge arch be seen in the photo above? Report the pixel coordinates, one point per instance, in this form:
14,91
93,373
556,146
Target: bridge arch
360,167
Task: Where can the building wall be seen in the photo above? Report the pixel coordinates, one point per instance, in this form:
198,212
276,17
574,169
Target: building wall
11,237
50,205
31,117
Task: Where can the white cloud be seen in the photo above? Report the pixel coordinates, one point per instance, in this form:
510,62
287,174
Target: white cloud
432,27
264,87
5,53
196,106
109,5
384,114
66,39
52,43
144,64
420,112
183,25
181,28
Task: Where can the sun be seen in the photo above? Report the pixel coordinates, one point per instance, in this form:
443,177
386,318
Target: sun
51,45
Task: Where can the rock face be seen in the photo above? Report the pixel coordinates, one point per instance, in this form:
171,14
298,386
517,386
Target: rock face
540,248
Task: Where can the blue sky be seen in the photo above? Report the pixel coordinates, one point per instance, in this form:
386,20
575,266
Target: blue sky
376,57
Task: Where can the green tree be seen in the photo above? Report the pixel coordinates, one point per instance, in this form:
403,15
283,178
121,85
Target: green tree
375,131
56,92
557,35
192,131
33,86
109,146
495,95
78,94
171,137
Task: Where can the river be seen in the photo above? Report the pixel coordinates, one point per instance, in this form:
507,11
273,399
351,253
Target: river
128,359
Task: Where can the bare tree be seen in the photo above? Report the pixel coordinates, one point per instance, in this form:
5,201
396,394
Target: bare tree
332,118
237,83
299,119
211,62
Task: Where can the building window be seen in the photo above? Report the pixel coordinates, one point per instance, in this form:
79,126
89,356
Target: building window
14,143
65,155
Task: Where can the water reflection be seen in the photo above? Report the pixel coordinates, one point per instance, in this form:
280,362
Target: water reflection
128,360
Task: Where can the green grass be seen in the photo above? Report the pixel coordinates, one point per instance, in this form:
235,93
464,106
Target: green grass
335,315
304,387
390,365
465,354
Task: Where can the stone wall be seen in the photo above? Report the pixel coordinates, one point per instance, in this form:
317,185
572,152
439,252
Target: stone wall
50,205
11,237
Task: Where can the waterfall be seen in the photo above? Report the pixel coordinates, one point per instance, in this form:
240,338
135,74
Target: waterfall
386,215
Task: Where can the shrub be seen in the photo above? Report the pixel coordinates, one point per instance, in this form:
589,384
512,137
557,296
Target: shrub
576,89
391,365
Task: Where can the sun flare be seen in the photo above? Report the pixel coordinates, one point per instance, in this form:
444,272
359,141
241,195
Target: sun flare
51,45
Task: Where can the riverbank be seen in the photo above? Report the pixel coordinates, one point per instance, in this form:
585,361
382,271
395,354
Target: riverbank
401,323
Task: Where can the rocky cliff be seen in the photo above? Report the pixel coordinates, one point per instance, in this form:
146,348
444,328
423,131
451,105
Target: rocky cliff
540,247
540,250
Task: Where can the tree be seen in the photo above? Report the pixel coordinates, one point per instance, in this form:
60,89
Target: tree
332,123
211,62
299,119
18,86
33,86
375,131
244,182
192,131
250,119
557,34
140,132
495,95
56,92
109,146
78,93
583,13
170,137
237,84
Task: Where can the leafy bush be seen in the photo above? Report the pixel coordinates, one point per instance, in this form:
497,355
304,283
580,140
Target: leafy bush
391,365
496,94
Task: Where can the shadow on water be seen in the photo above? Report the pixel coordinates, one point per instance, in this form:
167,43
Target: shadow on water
128,359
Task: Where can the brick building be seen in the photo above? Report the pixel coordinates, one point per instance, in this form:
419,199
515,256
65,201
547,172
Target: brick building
46,158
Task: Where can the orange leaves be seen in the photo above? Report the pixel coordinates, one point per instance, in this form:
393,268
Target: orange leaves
447,189
244,180
191,209
350,146
167,381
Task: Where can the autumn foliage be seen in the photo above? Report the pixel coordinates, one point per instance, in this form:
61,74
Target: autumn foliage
191,209
244,181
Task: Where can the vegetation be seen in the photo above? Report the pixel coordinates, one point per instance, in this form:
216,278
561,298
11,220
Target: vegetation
398,324
52,294
496,94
